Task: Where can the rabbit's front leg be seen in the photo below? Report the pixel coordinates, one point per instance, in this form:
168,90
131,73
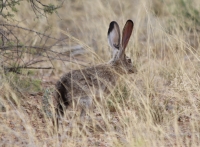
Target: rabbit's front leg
85,104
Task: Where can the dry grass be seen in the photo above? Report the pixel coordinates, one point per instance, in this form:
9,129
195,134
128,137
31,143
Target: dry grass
158,106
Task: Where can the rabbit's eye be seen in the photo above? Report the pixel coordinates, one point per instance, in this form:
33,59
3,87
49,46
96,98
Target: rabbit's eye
129,60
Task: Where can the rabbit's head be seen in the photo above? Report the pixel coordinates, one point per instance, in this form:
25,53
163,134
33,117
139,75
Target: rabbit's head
119,59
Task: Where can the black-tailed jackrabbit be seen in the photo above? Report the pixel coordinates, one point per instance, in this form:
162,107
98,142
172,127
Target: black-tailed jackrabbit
82,86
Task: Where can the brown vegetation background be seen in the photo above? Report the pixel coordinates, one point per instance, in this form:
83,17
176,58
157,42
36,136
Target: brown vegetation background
158,106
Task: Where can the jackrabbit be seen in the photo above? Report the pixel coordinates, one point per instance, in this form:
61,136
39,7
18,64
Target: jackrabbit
81,86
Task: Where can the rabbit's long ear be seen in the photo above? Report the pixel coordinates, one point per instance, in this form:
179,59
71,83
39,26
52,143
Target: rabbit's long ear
114,37
126,34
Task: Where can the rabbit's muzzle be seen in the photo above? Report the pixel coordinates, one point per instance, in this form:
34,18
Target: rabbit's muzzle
133,70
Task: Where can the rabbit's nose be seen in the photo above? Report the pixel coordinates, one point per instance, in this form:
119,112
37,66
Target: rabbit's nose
130,71
134,70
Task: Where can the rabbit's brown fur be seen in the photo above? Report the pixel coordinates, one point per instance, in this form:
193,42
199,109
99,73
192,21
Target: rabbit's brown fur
83,85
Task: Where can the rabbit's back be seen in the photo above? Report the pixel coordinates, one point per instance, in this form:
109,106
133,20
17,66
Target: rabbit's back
94,81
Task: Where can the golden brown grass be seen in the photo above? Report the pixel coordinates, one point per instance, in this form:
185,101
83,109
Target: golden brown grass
158,106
